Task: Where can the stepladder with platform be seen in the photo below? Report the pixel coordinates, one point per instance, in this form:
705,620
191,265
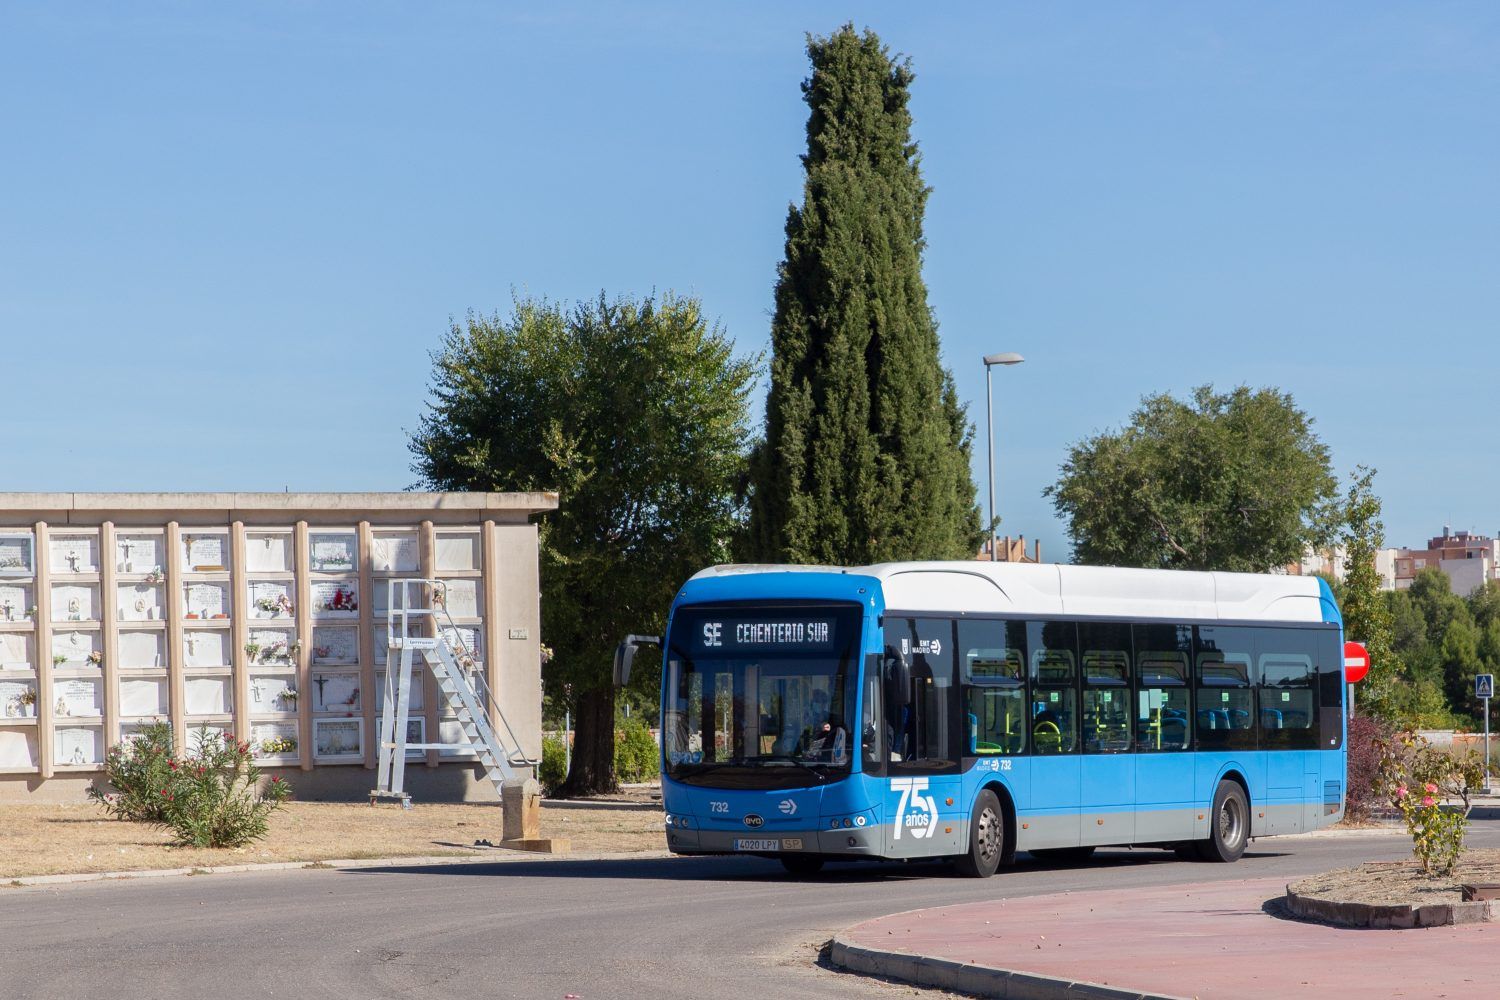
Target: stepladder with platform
420,634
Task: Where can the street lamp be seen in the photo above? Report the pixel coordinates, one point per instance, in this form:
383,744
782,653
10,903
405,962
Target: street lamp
990,360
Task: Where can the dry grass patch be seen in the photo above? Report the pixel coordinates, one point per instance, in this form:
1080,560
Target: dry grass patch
1399,883
58,839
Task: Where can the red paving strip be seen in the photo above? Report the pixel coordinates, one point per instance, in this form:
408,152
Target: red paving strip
1211,941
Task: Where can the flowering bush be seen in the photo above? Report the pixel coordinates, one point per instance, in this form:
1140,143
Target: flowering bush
139,770
1422,782
215,800
209,798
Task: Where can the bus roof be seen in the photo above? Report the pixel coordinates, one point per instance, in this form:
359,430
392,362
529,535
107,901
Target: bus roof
1093,591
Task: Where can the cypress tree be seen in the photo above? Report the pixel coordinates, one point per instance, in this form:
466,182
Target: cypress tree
866,455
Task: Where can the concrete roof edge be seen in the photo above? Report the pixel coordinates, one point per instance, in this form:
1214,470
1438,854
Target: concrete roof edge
535,502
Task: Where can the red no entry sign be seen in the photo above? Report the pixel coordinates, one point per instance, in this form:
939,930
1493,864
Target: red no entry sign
1356,662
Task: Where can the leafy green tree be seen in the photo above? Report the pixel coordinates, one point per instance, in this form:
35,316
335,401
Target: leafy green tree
636,413
1367,614
1459,653
1223,481
867,448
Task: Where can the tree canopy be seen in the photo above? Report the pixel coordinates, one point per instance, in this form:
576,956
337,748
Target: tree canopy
636,413
1222,481
867,448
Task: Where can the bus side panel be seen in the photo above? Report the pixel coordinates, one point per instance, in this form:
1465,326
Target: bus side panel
1108,799
1166,789
1050,817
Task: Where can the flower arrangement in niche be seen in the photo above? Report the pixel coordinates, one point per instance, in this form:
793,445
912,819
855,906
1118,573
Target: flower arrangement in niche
288,699
278,651
278,744
157,575
252,650
278,606
58,659
95,657
341,600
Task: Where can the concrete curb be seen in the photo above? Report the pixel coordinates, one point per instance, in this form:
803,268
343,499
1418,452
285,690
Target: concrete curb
344,864
1403,917
980,980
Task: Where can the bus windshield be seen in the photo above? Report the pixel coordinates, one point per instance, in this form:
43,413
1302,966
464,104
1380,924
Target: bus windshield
760,697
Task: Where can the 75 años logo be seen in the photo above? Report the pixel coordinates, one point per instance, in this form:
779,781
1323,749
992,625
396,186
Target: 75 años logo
916,813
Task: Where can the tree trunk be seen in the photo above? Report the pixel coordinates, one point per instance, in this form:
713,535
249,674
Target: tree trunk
593,768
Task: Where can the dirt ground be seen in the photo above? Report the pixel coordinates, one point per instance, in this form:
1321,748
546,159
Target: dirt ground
56,839
1391,883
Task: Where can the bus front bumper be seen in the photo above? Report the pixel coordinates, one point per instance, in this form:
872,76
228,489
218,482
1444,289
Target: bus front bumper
854,841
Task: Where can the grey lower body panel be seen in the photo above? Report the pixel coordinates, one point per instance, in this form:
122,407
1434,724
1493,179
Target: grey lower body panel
864,842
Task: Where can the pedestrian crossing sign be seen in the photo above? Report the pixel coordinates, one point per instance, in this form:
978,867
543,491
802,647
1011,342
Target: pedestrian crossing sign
1484,685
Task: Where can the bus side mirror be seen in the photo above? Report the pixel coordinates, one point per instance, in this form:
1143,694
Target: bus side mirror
898,681
625,655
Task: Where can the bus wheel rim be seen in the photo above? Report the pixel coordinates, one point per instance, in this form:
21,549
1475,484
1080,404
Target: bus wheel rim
988,834
1230,822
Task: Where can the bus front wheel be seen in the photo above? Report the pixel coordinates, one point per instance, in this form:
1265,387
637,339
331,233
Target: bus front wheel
1228,825
986,838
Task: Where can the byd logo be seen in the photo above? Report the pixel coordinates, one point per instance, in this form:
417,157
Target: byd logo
753,821
916,813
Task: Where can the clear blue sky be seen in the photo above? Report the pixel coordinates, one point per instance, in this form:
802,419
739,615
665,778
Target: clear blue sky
230,233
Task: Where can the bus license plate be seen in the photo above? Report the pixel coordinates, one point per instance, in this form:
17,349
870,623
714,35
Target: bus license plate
757,845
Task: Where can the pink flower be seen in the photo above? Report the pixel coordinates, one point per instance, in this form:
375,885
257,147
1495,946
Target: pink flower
1428,800
1430,788
1401,792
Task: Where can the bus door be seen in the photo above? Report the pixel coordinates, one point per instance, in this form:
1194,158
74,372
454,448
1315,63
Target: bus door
1051,814
1165,766
924,811
1108,790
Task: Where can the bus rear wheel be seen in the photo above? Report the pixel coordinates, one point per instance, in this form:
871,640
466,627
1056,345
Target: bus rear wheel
802,864
986,838
1228,825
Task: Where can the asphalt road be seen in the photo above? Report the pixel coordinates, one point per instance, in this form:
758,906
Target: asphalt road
671,928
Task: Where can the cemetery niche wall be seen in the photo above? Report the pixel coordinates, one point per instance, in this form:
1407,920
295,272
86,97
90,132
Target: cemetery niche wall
259,614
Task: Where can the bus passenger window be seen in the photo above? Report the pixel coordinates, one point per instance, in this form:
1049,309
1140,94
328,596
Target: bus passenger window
1164,716
1225,682
1288,696
1106,687
993,658
1054,697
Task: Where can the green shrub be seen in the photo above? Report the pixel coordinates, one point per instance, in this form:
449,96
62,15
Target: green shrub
139,771
636,755
215,800
554,769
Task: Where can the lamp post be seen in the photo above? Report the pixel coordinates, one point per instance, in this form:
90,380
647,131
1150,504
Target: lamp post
990,360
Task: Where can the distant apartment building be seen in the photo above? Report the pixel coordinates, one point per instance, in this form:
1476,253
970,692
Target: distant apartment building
1331,562
1469,560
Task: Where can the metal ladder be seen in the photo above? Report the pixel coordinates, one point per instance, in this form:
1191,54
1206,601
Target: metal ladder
460,684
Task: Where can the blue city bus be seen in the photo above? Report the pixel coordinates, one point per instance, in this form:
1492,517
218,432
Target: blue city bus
967,711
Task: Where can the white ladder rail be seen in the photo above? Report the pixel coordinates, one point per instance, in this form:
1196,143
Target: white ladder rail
462,687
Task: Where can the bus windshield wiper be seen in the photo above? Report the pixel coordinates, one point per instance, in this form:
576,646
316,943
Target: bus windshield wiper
787,758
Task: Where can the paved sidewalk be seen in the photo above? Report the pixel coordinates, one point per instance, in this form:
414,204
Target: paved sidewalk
1210,940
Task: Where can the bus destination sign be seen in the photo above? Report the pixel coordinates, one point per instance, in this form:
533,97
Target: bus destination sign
765,634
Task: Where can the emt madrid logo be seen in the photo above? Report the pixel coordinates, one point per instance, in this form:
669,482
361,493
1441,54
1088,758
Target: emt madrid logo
917,813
